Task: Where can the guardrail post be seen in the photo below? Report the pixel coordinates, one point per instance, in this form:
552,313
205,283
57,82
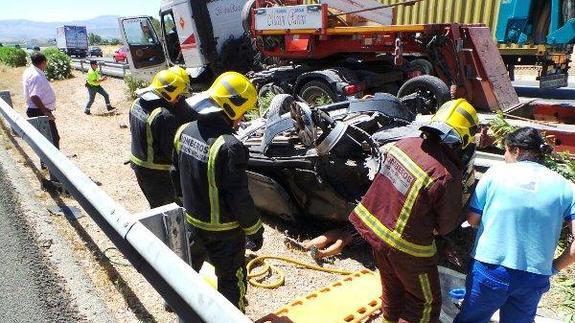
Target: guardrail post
43,126
82,65
167,223
5,95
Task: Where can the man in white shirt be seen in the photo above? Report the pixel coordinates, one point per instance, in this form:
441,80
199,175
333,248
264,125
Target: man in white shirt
39,95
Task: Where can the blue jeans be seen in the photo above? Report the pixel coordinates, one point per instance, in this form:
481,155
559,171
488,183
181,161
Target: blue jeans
515,293
92,90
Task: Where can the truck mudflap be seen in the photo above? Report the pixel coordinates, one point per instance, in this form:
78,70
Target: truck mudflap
494,85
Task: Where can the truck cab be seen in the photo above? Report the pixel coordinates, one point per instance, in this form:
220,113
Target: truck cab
194,34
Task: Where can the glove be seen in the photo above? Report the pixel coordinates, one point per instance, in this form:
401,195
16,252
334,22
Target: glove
254,242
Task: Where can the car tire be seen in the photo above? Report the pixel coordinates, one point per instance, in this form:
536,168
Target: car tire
434,91
279,105
314,90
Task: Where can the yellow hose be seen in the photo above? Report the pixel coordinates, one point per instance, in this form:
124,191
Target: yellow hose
270,270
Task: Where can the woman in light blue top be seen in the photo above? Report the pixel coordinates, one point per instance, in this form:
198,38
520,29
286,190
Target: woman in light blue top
519,209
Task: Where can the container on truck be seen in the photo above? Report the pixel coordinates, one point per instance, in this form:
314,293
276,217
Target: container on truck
528,32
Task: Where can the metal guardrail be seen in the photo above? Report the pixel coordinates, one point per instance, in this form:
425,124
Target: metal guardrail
184,289
106,68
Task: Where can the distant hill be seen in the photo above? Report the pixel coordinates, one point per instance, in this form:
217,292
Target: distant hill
21,30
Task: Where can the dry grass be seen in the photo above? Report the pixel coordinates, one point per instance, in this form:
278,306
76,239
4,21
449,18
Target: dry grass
108,50
99,147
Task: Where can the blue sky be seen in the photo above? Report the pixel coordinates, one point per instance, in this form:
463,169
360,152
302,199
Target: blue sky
66,10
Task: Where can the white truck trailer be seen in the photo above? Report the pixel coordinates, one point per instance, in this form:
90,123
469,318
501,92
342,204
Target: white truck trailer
72,40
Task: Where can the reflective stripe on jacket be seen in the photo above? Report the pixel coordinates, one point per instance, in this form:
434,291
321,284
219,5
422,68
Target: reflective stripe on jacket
417,191
149,137
209,168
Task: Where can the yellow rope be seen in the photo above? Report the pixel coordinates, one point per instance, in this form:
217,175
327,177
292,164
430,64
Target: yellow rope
268,270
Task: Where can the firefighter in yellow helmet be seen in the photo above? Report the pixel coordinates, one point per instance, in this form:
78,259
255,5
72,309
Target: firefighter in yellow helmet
209,172
417,194
154,118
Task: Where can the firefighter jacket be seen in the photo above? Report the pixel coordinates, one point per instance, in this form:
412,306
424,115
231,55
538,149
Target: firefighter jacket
209,173
153,124
418,190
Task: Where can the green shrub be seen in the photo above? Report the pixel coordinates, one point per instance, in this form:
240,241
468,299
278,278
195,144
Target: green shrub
58,67
133,84
12,56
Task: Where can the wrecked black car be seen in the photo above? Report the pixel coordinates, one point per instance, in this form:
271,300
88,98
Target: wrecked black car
318,162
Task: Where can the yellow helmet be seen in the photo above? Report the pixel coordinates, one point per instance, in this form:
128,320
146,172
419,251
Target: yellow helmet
455,115
170,84
234,94
181,72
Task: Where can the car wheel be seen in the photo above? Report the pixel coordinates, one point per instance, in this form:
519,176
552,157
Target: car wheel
317,93
279,105
431,91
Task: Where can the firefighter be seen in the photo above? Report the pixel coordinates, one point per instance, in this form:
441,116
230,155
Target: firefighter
154,118
417,194
209,172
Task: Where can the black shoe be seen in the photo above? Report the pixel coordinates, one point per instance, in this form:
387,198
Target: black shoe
87,112
110,108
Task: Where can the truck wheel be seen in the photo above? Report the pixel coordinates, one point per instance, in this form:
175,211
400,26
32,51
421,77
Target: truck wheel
422,65
317,93
431,90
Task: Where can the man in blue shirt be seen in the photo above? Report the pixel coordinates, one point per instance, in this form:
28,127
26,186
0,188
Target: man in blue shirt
519,209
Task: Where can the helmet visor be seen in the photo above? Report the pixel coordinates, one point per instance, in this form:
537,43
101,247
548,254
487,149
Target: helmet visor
446,133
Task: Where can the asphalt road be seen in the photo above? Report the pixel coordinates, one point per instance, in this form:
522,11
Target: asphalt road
29,290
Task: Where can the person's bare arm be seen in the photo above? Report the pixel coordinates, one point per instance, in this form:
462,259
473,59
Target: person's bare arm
567,258
38,102
473,218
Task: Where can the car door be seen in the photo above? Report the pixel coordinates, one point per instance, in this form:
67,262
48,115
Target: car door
145,52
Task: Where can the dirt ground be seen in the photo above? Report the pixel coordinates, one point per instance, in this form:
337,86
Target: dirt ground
100,146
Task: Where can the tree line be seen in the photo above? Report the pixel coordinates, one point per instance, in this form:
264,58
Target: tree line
94,39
